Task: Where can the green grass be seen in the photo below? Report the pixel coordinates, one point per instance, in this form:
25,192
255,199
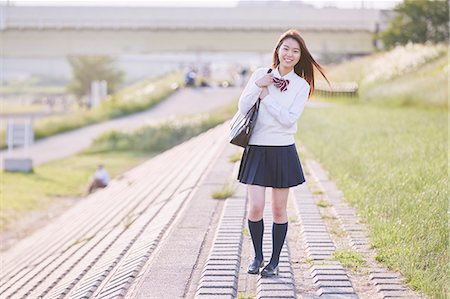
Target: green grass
337,231
31,89
66,177
235,157
327,216
293,219
162,136
223,192
349,258
153,138
315,190
391,164
323,203
244,296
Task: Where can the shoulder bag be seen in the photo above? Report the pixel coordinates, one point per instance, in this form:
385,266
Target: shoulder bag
241,126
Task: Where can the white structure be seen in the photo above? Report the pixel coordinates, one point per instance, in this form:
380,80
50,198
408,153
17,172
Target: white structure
99,91
248,27
19,133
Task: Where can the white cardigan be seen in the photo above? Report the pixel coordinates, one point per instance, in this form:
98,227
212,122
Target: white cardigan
279,111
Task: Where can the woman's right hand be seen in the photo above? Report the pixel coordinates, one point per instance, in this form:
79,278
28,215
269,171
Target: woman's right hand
263,93
265,80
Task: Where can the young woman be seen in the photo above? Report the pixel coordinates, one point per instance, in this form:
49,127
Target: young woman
271,159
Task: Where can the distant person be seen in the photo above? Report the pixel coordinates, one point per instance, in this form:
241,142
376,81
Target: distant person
100,179
190,76
244,73
206,75
271,158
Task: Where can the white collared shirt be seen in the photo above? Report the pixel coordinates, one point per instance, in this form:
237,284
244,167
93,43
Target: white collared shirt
279,111
102,174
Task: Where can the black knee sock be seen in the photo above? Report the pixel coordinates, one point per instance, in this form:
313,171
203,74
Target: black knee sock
257,231
278,236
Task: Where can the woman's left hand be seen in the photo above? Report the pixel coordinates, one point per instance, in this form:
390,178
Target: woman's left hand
264,93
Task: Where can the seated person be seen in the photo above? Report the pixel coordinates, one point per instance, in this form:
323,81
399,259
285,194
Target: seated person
100,180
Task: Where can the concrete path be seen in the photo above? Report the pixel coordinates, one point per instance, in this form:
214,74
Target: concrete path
182,103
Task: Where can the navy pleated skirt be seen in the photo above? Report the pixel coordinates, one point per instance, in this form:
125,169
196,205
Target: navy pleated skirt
271,166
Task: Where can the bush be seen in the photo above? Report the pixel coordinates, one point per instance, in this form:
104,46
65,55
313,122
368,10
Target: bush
160,137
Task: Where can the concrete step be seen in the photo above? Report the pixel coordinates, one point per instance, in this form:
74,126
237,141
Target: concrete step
223,270
329,276
111,229
176,264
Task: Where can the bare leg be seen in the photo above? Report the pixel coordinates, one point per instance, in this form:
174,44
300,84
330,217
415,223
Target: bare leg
257,197
279,204
95,185
90,188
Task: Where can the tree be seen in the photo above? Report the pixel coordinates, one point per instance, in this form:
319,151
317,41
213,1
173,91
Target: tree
86,69
418,21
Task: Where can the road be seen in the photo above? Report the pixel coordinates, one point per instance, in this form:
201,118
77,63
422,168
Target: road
183,102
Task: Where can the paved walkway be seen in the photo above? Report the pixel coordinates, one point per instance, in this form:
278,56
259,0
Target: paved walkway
182,103
156,232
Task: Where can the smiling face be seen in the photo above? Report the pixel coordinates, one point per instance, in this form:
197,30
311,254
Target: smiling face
289,53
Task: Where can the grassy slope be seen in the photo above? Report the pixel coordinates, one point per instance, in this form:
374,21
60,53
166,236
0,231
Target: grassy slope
66,177
426,86
397,181
389,156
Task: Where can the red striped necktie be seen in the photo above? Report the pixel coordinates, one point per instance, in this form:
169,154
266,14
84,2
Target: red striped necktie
281,83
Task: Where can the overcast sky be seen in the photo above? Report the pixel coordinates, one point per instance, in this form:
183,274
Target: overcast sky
386,4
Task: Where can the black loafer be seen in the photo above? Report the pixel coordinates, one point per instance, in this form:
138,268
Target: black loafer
254,266
269,271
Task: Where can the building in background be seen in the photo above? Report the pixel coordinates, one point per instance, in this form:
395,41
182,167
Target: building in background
154,40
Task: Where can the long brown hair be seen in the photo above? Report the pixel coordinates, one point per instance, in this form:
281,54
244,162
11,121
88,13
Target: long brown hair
305,66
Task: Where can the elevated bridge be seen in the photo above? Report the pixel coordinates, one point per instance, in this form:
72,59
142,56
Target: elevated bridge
248,27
